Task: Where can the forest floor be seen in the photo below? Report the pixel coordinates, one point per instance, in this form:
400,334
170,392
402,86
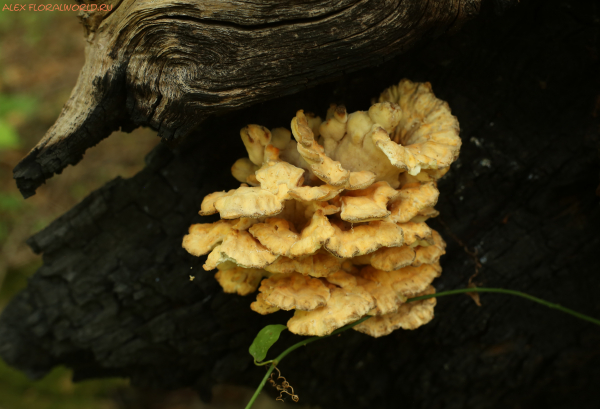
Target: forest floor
41,54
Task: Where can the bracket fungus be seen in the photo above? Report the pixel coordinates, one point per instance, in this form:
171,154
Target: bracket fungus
333,220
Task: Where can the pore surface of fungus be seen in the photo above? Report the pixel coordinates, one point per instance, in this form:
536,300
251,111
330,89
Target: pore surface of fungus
331,216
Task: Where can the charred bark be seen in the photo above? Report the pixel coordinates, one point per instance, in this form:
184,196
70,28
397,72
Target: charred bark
520,206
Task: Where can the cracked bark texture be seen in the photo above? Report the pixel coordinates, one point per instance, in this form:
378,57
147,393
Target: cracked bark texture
170,64
114,297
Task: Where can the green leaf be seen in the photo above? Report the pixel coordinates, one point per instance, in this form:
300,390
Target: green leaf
264,340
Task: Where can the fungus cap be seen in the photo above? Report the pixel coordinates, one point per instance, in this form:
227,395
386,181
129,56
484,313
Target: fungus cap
313,236
410,280
325,168
248,202
273,174
412,199
364,239
416,234
262,307
320,264
204,237
242,169
387,299
208,203
346,305
427,136
242,281
315,193
389,258
275,234
242,249
294,291
255,138
430,254
410,316
342,279
367,204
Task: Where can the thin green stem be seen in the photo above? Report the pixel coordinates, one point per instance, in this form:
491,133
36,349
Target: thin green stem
307,341
262,362
511,292
260,387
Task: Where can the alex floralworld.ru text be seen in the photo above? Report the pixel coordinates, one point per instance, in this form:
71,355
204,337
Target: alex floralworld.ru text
57,7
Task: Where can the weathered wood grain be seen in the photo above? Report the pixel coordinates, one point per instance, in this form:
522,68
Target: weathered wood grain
171,64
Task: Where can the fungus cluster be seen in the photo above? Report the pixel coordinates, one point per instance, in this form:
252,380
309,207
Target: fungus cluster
331,223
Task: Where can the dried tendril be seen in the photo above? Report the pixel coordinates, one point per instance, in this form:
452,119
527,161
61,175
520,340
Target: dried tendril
283,388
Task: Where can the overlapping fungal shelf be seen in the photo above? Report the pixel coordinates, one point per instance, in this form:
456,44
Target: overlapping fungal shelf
331,223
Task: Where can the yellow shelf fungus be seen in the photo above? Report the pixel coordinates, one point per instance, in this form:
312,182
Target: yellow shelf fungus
332,221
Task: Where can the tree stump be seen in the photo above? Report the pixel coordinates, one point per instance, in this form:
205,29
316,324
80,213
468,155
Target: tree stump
519,209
